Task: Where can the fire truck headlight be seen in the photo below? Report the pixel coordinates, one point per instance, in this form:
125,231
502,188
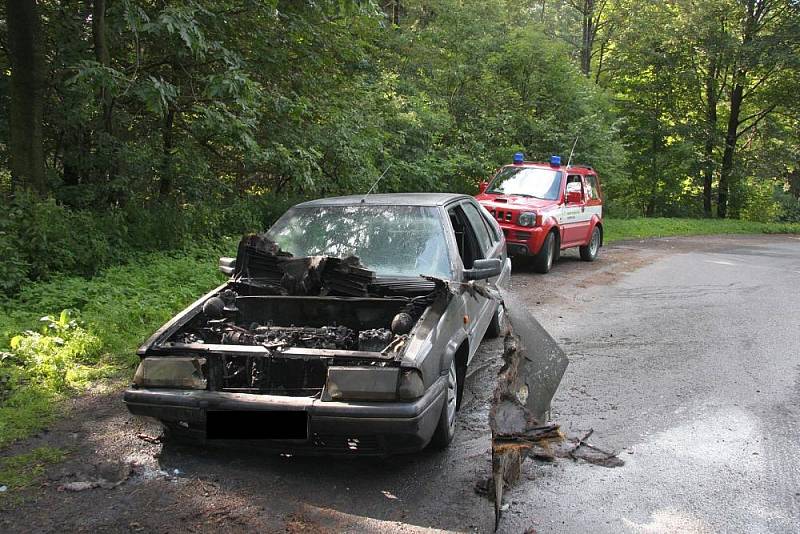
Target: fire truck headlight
527,219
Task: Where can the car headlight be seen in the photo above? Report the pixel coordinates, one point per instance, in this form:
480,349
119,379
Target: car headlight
527,218
361,383
174,372
410,386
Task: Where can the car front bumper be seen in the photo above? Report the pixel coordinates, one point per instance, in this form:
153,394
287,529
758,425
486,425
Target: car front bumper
524,240
333,427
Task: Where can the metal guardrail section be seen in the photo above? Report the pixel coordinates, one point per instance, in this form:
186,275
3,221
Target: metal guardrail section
533,369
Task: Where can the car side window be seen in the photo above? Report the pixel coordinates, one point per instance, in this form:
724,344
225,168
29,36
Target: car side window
491,225
592,191
575,183
478,226
468,245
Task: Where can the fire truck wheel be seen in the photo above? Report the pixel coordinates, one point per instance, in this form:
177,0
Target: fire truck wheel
543,261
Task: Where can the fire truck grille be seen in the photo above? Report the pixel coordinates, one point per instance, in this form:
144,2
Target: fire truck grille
502,215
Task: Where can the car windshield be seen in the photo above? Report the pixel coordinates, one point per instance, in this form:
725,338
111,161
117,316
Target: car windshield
390,240
527,181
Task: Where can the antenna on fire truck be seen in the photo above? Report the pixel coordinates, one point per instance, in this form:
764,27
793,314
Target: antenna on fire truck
569,162
376,183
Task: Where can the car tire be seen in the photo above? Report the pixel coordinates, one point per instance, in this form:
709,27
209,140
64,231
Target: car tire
543,261
589,252
496,325
446,428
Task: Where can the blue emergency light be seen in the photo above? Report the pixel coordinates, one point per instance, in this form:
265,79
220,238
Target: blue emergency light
519,157
555,161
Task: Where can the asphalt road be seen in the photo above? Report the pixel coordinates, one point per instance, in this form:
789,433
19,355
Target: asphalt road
689,365
683,358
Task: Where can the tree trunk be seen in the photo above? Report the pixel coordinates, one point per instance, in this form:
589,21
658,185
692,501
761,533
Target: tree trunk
711,135
730,148
392,8
587,37
600,63
794,182
650,209
26,108
165,184
102,55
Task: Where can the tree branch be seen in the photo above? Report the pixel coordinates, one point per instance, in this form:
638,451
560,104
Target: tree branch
763,79
758,118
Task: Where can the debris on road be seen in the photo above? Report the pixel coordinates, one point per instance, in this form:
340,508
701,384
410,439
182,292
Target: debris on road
79,486
533,367
582,450
149,439
90,484
102,475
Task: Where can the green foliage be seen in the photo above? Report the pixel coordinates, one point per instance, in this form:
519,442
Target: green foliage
57,356
207,120
760,204
40,238
42,366
789,208
118,309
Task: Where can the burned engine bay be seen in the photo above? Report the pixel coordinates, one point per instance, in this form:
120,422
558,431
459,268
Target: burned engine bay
281,320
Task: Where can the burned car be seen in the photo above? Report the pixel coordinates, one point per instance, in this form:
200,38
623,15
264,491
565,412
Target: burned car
346,328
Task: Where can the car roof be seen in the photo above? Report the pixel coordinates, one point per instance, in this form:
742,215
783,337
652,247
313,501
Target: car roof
387,199
578,168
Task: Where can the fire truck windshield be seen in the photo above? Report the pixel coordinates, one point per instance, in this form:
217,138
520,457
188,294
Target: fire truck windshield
527,181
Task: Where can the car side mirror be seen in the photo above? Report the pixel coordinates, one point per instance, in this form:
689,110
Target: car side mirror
482,269
227,266
483,186
574,197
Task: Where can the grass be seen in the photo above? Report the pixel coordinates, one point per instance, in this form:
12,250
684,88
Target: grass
115,312
20,471
621,229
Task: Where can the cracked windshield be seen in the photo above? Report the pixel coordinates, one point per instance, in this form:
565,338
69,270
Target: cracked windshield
390,240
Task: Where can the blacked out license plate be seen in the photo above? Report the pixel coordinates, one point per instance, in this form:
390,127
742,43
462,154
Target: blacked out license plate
256,425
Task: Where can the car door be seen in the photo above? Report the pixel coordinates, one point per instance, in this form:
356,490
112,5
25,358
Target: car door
498,249
469,250
481,307
594,199
574,220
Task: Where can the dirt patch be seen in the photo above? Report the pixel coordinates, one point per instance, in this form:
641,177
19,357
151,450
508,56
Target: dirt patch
570,274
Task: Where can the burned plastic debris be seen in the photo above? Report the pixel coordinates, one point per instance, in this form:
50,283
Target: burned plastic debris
337,337
261,262
374,340
533,367
532,370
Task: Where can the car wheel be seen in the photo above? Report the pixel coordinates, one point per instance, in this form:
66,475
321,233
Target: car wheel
589,252
543,261
498,322
446,428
